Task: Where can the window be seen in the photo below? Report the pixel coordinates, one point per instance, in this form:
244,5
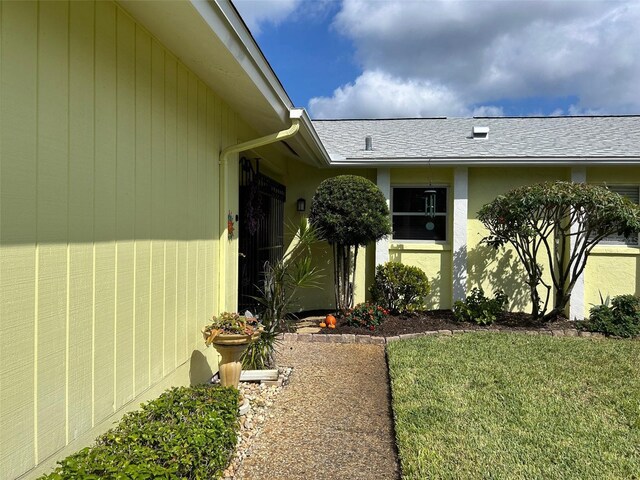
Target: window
632,193
409,213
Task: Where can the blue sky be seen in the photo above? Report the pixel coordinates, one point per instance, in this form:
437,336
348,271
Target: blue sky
413,58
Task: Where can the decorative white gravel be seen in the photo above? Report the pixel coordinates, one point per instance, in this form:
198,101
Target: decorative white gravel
261,398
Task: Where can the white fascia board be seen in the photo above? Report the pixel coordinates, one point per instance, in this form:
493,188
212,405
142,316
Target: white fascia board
313,140
338,160
210,38
223,20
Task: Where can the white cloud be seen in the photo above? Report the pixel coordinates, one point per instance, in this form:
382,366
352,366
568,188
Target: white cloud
258,12
442,57
377,94
488,111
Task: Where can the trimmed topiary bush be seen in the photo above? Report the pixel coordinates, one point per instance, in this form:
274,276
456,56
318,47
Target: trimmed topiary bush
185,433
480,309
400,288
621,319
348,212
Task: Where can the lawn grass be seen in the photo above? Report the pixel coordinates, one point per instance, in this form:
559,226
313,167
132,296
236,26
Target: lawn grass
510,406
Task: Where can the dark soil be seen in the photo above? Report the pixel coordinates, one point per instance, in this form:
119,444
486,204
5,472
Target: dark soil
444,320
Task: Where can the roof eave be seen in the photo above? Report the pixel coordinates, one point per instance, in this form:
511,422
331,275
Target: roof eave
338,160
199,31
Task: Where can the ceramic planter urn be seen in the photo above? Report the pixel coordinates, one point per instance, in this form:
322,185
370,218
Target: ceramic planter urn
230,347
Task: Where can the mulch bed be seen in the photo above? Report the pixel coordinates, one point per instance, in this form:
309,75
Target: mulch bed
444,320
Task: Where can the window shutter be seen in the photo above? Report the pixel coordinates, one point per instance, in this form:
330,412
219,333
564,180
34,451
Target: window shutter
628,191
632,192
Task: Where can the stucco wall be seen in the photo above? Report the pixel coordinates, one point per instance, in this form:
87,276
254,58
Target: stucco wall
501,269
301,181
612,270
109,222
433,258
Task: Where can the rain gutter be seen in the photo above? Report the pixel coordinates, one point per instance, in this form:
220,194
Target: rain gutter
294,114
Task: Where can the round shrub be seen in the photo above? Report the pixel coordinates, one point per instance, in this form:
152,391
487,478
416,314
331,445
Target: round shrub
349,210
621,319
366,315
400,288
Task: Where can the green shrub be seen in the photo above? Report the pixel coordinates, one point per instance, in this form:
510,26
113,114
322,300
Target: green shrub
400,288
621,319
348,211
185,433
367,315
480,309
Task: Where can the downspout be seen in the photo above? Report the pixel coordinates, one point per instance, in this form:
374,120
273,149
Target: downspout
294,115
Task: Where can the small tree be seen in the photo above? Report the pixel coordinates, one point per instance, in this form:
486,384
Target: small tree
543,219
348,211
282,280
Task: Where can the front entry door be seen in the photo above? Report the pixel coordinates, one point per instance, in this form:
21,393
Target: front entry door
261,229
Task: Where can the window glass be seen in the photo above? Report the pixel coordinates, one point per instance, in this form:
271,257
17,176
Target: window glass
412,199
419,227
409,219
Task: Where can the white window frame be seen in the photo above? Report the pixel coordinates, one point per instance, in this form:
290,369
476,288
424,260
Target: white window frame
615,240
446,214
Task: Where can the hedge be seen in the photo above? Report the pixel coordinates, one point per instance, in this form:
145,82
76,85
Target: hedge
187,432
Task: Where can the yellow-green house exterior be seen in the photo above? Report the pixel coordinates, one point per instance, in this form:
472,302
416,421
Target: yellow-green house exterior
115,197
517,151
114,249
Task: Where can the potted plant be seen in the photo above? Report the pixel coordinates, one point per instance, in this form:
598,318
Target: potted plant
230,334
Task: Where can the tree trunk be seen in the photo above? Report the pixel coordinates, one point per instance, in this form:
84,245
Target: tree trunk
535,297
353,276
344,275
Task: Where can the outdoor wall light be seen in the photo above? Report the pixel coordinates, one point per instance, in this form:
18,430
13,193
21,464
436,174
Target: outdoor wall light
301,205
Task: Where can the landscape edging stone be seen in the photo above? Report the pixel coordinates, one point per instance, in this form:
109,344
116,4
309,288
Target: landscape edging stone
349,338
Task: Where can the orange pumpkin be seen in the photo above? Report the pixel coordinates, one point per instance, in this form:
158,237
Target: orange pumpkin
330,320
322,324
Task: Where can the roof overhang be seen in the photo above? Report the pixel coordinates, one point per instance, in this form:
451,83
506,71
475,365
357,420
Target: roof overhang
337,160
210,38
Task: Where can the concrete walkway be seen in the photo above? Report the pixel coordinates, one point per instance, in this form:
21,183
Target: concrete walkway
333,420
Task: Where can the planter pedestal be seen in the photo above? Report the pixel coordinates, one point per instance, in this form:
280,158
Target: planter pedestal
231,348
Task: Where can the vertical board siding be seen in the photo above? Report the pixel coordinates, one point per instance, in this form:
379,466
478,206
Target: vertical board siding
104,211
52,219
81,184
109,223
210,202
201,183
180,217
170,226
192,209
123,359
142,210
18,166
158,209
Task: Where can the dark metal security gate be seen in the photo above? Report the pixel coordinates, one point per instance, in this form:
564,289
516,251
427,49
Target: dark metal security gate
261,229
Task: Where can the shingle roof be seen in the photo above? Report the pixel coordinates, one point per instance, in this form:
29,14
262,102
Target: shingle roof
509,137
